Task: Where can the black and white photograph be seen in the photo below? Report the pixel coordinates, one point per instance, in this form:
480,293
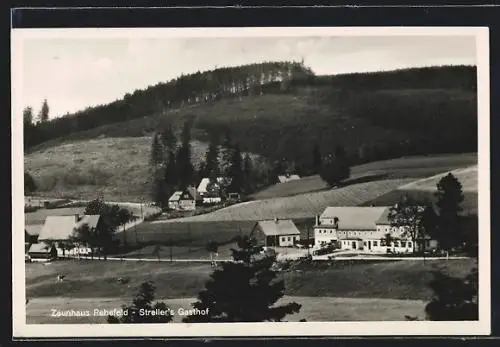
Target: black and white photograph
300,181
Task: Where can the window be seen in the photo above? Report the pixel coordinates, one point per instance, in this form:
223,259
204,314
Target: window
403,244
396,243
283,239
289,238
364,243
382,243
375,243
331,231
410,244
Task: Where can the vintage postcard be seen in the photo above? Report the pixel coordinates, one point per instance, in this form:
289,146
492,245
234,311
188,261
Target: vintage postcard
296,181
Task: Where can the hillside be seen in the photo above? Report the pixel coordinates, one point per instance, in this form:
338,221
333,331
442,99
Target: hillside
365,124
408,167
115,167
373,116
299,206
425,189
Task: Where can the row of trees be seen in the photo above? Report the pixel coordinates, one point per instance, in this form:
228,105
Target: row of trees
443,223
32,124
172,168
207,86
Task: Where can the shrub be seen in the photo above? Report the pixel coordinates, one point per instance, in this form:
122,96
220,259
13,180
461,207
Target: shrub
28,209
152,216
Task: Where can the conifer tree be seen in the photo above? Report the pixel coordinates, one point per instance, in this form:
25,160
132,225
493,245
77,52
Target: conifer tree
227,154
183,161
44,112
171,177
455,299
168,139
144,302
316,159
248,174
449,196
245,290
235,172
336,167
212,157
156,156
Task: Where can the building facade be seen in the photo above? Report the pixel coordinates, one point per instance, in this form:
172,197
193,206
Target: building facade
366,229
276,233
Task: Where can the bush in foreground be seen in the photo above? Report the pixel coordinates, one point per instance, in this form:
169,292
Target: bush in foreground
142,307
243,291
455,299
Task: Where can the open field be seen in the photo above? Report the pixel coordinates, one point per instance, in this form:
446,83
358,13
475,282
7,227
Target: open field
425,189
468,177
39,216
314,309
194,235
384,279
299,206
188,240
179,252
408,167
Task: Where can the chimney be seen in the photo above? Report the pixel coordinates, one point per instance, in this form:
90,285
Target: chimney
336,222
276,220
317,219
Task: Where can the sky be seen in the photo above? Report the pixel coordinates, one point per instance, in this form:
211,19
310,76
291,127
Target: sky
73,74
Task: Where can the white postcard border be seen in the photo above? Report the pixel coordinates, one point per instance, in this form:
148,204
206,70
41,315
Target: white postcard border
481,327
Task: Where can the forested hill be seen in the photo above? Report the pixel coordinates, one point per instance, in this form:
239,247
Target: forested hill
276,78
200,87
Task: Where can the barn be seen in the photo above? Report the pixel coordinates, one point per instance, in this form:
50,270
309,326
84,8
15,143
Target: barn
276,233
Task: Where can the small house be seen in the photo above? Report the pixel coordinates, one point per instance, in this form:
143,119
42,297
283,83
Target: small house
61,228
173,201
58,229
276,233
42,251
185,200
210,196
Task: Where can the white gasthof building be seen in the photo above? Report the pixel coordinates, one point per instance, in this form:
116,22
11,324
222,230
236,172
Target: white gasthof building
364,229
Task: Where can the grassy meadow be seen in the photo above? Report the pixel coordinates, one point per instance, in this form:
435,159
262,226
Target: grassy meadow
424,189
408,167
341,290
298,206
